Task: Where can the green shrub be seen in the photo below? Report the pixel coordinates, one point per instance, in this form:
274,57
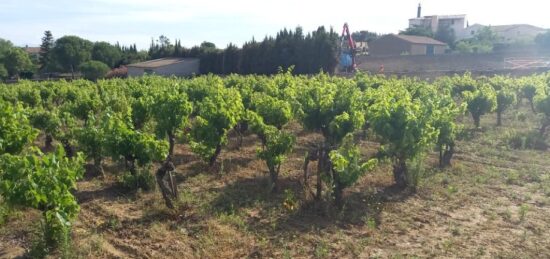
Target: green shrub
416,171
505,99
93,70
521,116
4,212
528,140
480,102
143,179
45,182
3,72
347,167
529,91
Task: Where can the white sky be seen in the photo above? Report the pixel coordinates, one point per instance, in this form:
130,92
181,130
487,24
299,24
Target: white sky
137,21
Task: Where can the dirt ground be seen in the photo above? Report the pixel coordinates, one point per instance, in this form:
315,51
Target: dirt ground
494,202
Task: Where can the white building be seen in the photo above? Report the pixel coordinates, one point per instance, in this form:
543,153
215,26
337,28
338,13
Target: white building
505,33
434,22
166,67
469,32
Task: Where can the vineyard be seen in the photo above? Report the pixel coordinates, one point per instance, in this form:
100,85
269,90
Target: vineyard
276,166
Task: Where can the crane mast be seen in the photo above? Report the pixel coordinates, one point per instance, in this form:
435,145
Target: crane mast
347,51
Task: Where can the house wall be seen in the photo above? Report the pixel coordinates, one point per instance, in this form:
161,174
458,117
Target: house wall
434,22
447,63
456,24
418,49
389,46
184,68
468,32
135,71
393,46
439,50
519,33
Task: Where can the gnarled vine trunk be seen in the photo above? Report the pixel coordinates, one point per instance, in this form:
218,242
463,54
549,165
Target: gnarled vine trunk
168,193
274,176
543,127
312,155
323,167
400,173
130,164
214,157
69,152
48,142
532,104
477,119
306,175
240,129
98,167
338,190
320,167
446,153
172,143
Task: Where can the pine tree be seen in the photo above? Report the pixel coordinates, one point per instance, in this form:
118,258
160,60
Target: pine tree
45,47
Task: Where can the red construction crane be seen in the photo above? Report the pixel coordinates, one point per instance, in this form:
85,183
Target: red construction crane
347,50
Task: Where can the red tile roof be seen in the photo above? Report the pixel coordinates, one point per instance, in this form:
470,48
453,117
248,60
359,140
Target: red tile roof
32,50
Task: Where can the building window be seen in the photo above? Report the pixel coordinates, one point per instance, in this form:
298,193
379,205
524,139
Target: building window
453,22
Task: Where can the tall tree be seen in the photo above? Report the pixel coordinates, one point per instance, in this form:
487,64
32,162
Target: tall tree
3,72
71,51
45,49
17,61
446,34
482,42
417,31
106,53
5,47
161,48
364,36
208,45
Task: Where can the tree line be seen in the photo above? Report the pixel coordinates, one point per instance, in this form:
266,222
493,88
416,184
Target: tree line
307,53
74,54
67,54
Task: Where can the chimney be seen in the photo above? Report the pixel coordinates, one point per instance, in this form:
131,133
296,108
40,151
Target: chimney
419,12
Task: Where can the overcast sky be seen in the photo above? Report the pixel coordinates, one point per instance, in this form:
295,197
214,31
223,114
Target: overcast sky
137,21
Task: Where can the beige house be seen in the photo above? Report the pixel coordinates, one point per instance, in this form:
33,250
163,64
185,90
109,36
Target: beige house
505,33
166,67
434,22
395,45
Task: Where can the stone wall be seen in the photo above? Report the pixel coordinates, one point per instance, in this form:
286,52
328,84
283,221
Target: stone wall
453,63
